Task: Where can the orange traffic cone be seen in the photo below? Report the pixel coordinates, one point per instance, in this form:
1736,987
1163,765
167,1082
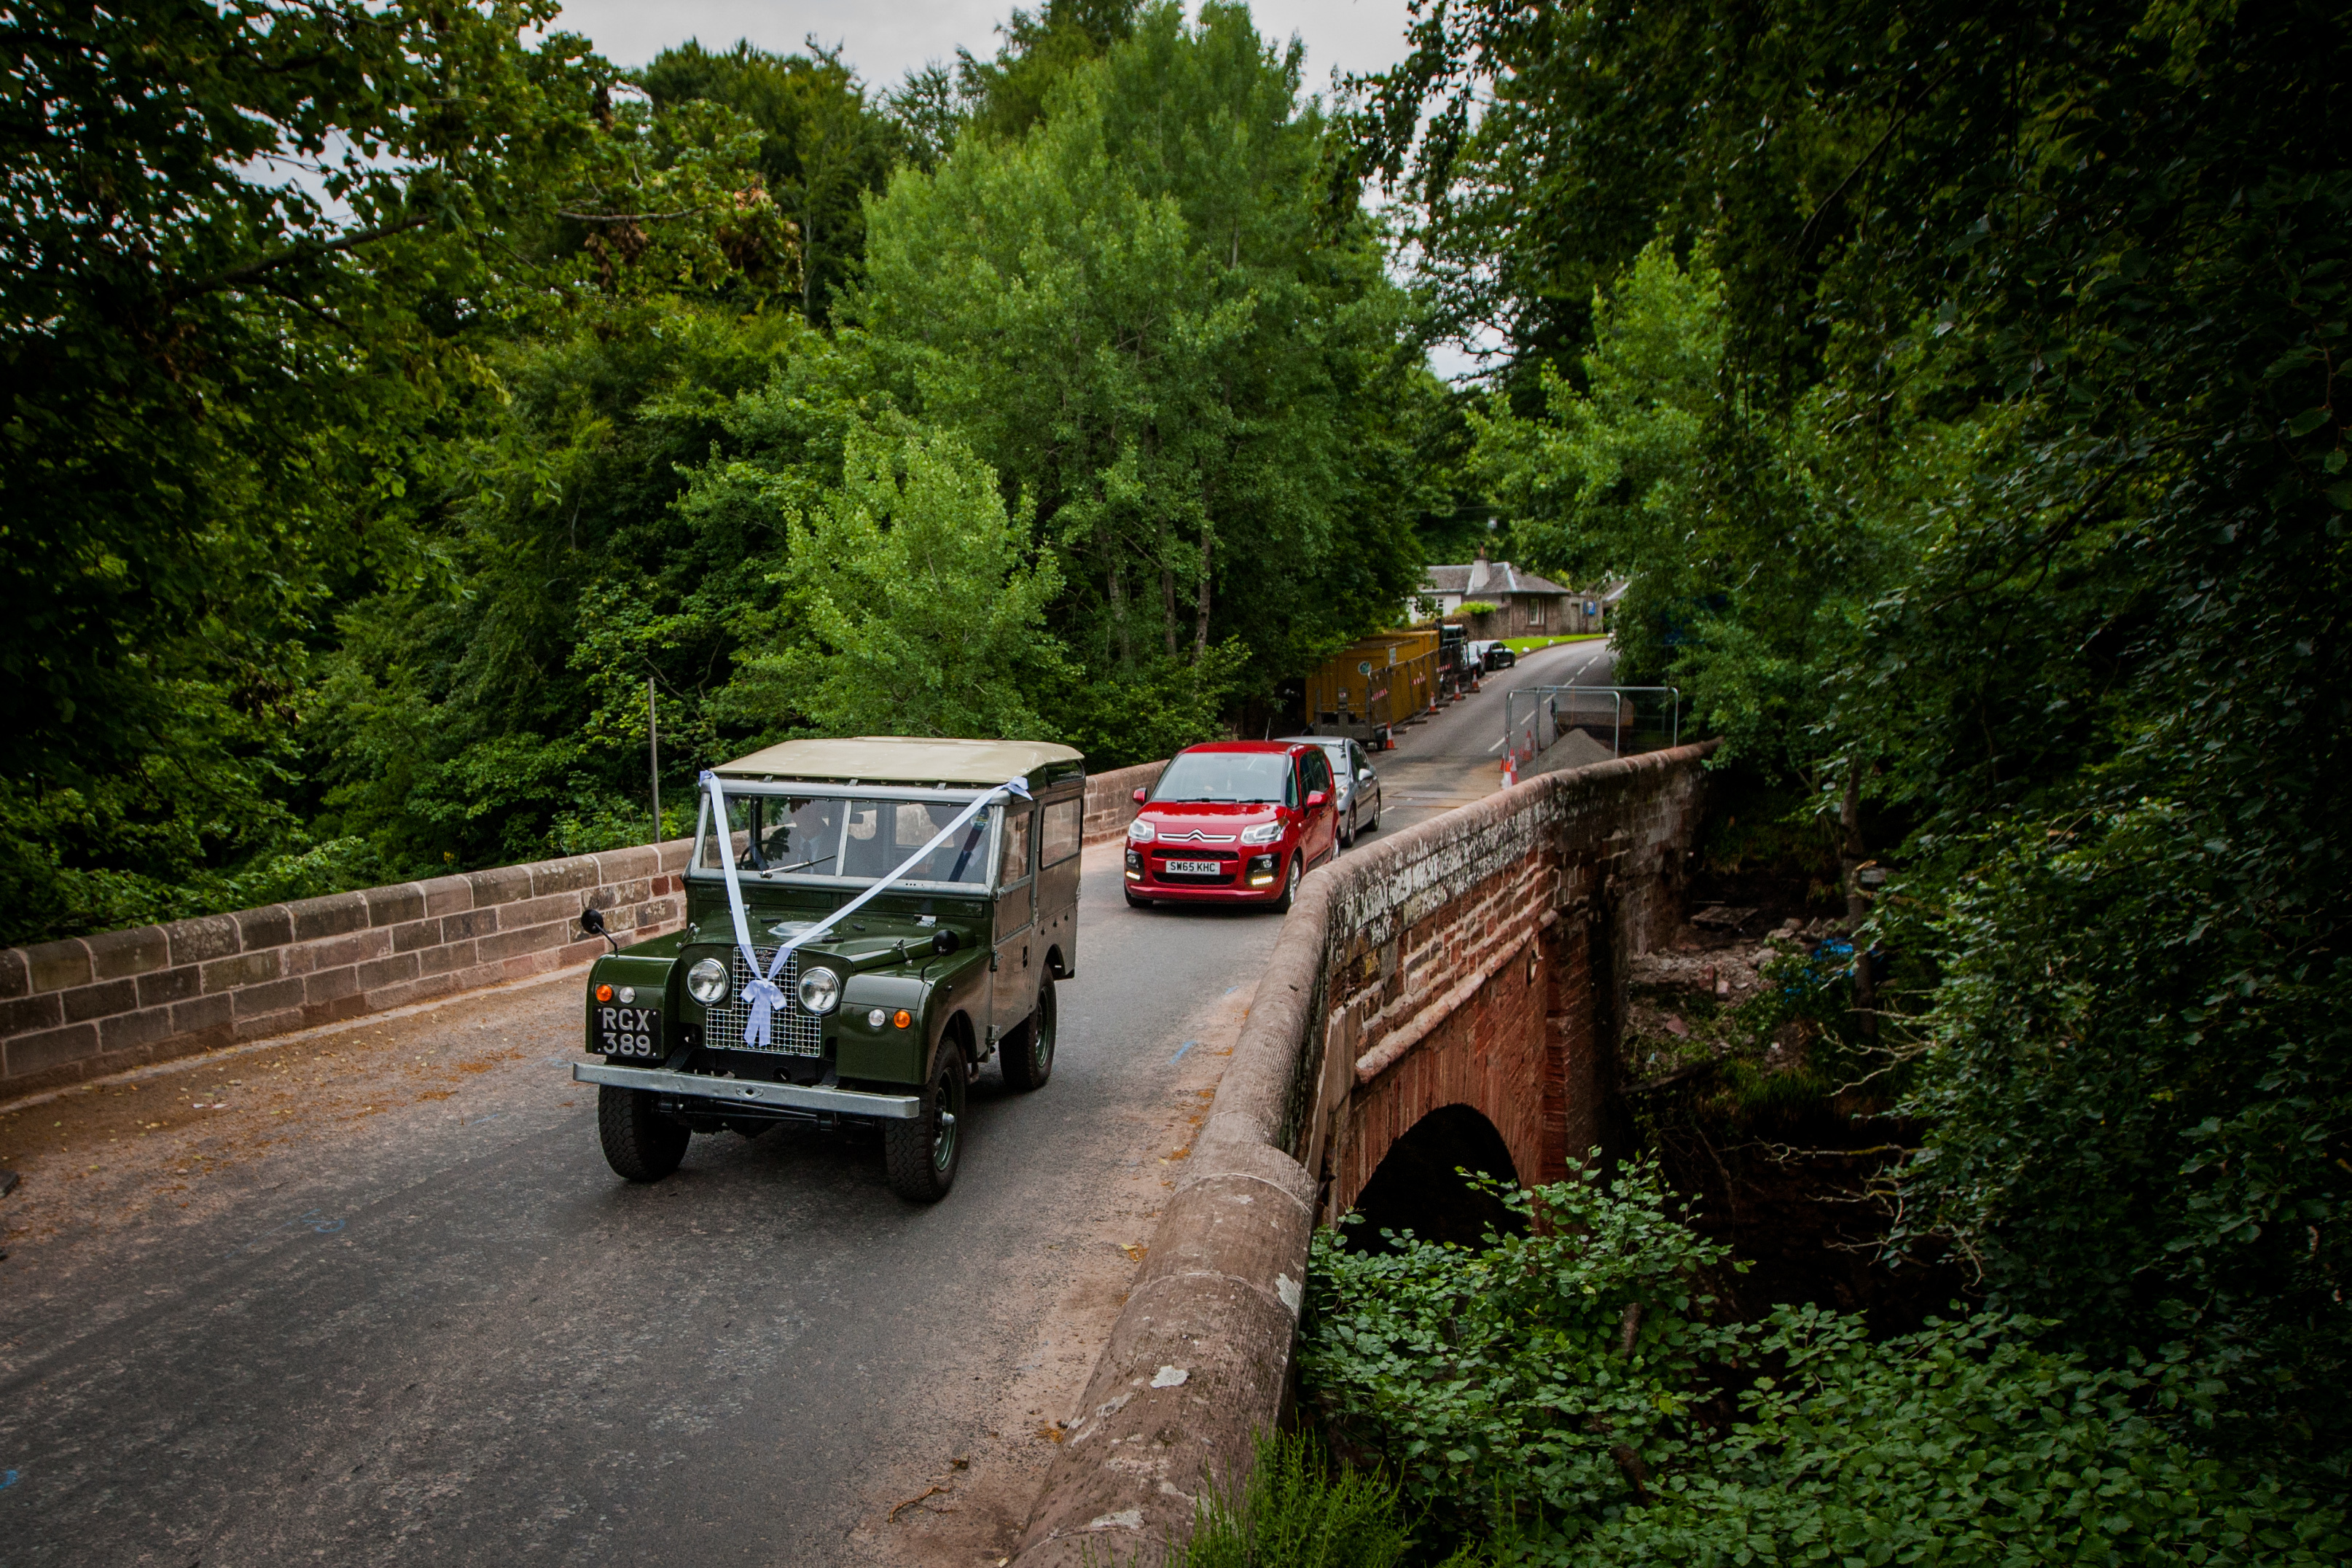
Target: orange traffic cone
1510,770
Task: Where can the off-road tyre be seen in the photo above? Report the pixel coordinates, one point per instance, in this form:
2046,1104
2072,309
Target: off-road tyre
640,1142
1289,888
923,1155
1028,1058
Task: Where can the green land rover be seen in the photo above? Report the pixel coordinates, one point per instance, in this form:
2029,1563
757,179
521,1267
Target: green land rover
867,922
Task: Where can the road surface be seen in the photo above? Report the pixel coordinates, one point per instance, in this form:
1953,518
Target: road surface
388,1304
370,1295
1456,756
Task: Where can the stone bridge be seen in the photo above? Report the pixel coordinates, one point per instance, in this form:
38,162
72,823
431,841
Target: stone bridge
1455,985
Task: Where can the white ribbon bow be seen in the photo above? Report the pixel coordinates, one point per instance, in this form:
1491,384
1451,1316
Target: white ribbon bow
765,995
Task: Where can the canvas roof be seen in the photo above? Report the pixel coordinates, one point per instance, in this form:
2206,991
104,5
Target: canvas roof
902,759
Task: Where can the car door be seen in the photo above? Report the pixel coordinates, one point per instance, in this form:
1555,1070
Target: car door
1363,793
1323,822
1015,963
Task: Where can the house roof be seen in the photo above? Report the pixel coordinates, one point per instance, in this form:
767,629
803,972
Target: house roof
902,759
1483,578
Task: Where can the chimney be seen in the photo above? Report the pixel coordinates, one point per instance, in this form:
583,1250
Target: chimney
1478,572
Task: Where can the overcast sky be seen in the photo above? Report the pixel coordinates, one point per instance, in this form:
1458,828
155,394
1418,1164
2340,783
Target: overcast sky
883,39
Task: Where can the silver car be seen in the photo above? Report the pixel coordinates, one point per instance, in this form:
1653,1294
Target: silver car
1359,785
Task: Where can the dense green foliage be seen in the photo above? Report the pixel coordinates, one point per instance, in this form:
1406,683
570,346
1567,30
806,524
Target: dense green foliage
1565,1396
397,407
822,145
1143,315
1297,1509
1960,388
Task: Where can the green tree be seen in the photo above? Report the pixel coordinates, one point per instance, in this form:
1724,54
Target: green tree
1003,97
822,145
2040,309
1146,317
507,719
914,603
230,298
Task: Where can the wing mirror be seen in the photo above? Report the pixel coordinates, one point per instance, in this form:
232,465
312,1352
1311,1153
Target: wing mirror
944,942
1365,774
1316,798
1138,794
591,921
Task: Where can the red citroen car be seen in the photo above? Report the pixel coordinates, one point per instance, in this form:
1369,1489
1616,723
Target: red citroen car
1236,821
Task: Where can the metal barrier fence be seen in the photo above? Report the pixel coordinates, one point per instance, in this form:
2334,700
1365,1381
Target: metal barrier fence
1633,718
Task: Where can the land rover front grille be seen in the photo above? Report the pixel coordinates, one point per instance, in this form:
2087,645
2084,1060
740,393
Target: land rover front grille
793,1029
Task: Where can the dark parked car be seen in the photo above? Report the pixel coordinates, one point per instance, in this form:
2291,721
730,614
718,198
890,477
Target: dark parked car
1233,821
1494,656
1359,785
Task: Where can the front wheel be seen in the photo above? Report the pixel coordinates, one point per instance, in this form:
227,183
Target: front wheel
1136,902
1289,888
1029,1060
922,1155
640,1142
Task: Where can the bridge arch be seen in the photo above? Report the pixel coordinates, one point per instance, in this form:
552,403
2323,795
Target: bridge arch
1521,1048
1417,1185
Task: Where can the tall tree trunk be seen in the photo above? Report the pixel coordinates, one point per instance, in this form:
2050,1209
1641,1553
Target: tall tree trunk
1201,608
1119,627
1168,598
1851,855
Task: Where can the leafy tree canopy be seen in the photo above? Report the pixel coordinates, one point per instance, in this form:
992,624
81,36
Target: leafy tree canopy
1146,317
822,145
1972,427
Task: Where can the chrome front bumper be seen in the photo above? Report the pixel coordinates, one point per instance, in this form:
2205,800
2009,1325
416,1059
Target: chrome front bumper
739,1091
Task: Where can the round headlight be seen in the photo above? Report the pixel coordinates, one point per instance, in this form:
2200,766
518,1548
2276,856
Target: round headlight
707,982
820,989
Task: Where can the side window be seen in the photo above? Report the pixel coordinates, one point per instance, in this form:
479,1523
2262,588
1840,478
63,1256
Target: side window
1290,796
1319,770
1059,830
1014,866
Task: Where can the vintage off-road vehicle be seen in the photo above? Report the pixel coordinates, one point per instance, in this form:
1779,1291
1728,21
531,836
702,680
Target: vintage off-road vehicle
907,977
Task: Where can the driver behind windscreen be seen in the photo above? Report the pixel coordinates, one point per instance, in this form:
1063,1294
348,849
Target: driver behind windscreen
958,860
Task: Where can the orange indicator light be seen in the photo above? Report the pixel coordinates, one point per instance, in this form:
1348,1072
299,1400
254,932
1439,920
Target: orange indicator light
604,993
902,1017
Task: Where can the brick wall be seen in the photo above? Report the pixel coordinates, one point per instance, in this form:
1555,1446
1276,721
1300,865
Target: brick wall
1111,800
1465,973
89,1006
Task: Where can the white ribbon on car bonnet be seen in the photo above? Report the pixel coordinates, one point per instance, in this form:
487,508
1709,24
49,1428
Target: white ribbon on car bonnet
765,994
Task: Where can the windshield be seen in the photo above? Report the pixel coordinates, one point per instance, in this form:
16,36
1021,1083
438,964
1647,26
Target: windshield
1258,776
858,840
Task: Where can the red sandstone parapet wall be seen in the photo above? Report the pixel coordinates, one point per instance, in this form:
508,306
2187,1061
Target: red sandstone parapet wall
1439,934
89,1006
1111,800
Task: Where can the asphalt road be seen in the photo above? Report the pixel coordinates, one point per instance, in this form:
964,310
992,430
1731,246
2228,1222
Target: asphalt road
371,1295
1456,756
388,1306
